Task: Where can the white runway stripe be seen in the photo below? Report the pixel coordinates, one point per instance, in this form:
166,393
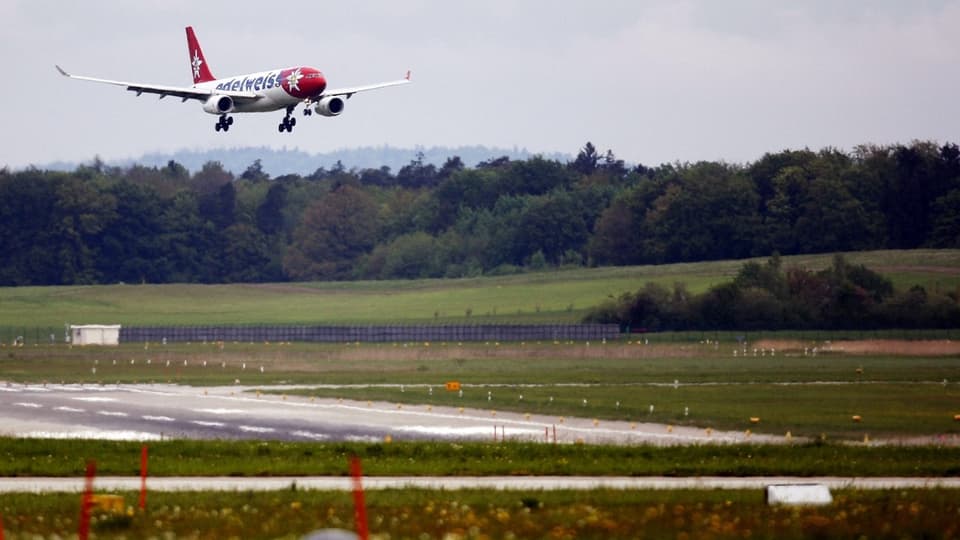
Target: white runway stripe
309,435
222,411
68,409
257,429
207,424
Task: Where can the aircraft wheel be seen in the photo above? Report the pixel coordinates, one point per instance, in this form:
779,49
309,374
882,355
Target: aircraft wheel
226,127
229,120
280,128
217,126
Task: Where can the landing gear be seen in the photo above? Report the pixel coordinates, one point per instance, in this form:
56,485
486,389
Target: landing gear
288,122
223,123
306,107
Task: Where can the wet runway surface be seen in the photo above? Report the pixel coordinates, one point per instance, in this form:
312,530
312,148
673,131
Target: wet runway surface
152,412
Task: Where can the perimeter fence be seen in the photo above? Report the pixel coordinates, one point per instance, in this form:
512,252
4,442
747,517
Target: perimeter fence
370,334
49,335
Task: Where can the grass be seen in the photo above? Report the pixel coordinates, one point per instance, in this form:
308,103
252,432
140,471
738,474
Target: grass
895,396
554,297
886,410
497,514
52,457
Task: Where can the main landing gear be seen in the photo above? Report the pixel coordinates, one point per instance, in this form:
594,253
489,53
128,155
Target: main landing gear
288,122
223,123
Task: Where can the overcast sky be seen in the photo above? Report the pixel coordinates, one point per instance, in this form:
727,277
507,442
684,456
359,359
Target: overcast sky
655,81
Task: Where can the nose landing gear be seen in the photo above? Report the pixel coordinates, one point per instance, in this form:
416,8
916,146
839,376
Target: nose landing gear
288,122
223,123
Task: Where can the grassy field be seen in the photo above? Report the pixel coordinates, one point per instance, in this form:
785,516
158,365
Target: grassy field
495,514
562,296
688,384
51,457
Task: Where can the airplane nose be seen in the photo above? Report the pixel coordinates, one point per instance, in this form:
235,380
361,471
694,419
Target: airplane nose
315,84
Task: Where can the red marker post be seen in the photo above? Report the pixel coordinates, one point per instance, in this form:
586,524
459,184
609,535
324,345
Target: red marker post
143,479
86,501
359,506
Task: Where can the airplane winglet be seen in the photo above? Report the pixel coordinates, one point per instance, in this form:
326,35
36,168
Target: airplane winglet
62,72
407,77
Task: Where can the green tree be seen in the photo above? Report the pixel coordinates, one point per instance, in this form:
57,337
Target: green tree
244,256
411,256
552,224
27,218
335,232
586,160
710,214
417,174
270,219
613,240
255,172
945,220
189,244
80,212
130,250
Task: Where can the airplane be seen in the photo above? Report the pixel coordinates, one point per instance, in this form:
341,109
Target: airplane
255,92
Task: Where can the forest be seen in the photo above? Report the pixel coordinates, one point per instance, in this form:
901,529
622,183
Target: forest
99,224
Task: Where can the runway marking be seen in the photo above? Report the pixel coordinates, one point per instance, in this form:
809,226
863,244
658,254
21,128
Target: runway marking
68,409
28,405
133,390
222,411
207,424
257,429
309,435
112,413
467,430
98,434
158,418
95,398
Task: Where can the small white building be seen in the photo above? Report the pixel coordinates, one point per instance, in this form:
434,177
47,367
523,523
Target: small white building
95,334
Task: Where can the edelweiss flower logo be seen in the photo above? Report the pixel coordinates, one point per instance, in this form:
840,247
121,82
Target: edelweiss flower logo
196,64
293,80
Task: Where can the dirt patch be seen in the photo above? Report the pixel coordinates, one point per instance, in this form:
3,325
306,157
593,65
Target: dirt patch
919,269
868,346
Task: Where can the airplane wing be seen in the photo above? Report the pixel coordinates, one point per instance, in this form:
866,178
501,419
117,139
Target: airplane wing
181,92
351,90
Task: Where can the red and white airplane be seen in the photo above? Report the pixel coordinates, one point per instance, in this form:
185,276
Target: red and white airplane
256,92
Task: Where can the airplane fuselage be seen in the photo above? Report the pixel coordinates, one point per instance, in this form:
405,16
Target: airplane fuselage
276,89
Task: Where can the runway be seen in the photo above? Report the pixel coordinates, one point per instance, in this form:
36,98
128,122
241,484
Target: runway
154,412
525,483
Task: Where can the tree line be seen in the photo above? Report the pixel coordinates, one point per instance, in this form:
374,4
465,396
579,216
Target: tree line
769,297
137,224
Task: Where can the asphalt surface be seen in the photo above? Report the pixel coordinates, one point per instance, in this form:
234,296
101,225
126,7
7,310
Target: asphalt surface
153,412
527,483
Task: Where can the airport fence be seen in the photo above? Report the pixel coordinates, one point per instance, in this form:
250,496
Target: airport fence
370,334
48,335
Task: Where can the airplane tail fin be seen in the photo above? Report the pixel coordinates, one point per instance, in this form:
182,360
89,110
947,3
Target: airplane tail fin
198,64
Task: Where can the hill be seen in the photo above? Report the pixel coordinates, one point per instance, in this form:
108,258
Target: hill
551,297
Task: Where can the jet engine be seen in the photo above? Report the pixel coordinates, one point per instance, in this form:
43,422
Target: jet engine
218,104
330,106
